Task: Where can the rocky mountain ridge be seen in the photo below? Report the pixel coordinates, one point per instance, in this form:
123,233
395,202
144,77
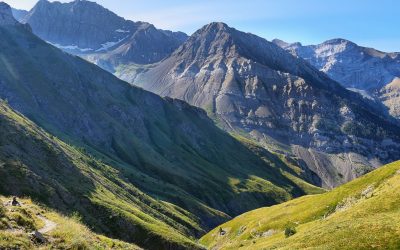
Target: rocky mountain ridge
86,28
368,71
254,87
6,16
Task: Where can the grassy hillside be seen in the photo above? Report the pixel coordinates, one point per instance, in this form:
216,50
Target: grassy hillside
35,163
60,232
363,214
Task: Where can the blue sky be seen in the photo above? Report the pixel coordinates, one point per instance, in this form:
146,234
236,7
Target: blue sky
372,23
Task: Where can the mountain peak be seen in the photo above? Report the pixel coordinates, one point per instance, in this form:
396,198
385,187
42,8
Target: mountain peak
213,27
217,25
6,16
338,41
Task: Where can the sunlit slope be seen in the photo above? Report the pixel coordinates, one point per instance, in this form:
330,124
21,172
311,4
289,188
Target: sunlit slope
59,232
363,214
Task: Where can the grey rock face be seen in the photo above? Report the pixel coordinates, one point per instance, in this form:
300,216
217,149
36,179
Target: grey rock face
6,17
256,87
19,14
84,27
355,67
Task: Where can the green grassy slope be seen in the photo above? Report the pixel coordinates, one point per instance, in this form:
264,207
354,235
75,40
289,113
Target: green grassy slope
34,163
363,214
196,175
16,223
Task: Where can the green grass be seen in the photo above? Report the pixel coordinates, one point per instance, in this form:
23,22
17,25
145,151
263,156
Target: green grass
69,232
39,165
363,214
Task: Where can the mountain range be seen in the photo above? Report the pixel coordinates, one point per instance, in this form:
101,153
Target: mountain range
252,86
372,73
145,169
88,29
154,138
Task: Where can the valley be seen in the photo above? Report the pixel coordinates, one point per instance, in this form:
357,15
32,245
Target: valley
117,134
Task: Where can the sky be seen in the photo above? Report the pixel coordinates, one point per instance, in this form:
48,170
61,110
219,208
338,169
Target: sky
371,23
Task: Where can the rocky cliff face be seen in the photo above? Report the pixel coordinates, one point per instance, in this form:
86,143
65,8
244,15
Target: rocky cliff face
83,27
19,14
6,16
360,69
253,86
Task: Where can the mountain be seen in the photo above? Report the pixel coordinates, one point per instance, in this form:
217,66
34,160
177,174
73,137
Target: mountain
363,214
86,28
137,167
253,87
365,70
6,17
19,14
60,232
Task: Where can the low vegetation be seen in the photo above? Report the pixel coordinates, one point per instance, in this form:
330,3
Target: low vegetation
17,223
363,214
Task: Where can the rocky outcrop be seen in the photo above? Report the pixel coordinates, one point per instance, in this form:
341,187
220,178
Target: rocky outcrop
254,86
390,96
6,17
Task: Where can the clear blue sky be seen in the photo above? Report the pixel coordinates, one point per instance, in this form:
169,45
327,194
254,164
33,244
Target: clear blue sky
372,23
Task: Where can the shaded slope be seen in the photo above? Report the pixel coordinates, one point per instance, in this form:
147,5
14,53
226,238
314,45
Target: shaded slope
363,214
34,163
252,86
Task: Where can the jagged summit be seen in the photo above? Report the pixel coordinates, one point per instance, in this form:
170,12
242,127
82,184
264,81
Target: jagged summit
6,16
337,40
213,26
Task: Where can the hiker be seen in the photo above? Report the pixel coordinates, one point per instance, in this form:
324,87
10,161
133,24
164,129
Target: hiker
15,202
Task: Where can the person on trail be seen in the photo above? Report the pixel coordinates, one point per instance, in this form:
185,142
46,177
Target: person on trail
15,202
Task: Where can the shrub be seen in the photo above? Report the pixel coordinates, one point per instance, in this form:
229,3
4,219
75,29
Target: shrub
23,220
290,230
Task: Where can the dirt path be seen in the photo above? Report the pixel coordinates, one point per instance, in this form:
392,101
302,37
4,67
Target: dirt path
48,225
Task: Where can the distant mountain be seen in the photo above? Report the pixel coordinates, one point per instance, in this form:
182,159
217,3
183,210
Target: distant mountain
83,27
254,87
368,71
19,14
145,169
363,214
